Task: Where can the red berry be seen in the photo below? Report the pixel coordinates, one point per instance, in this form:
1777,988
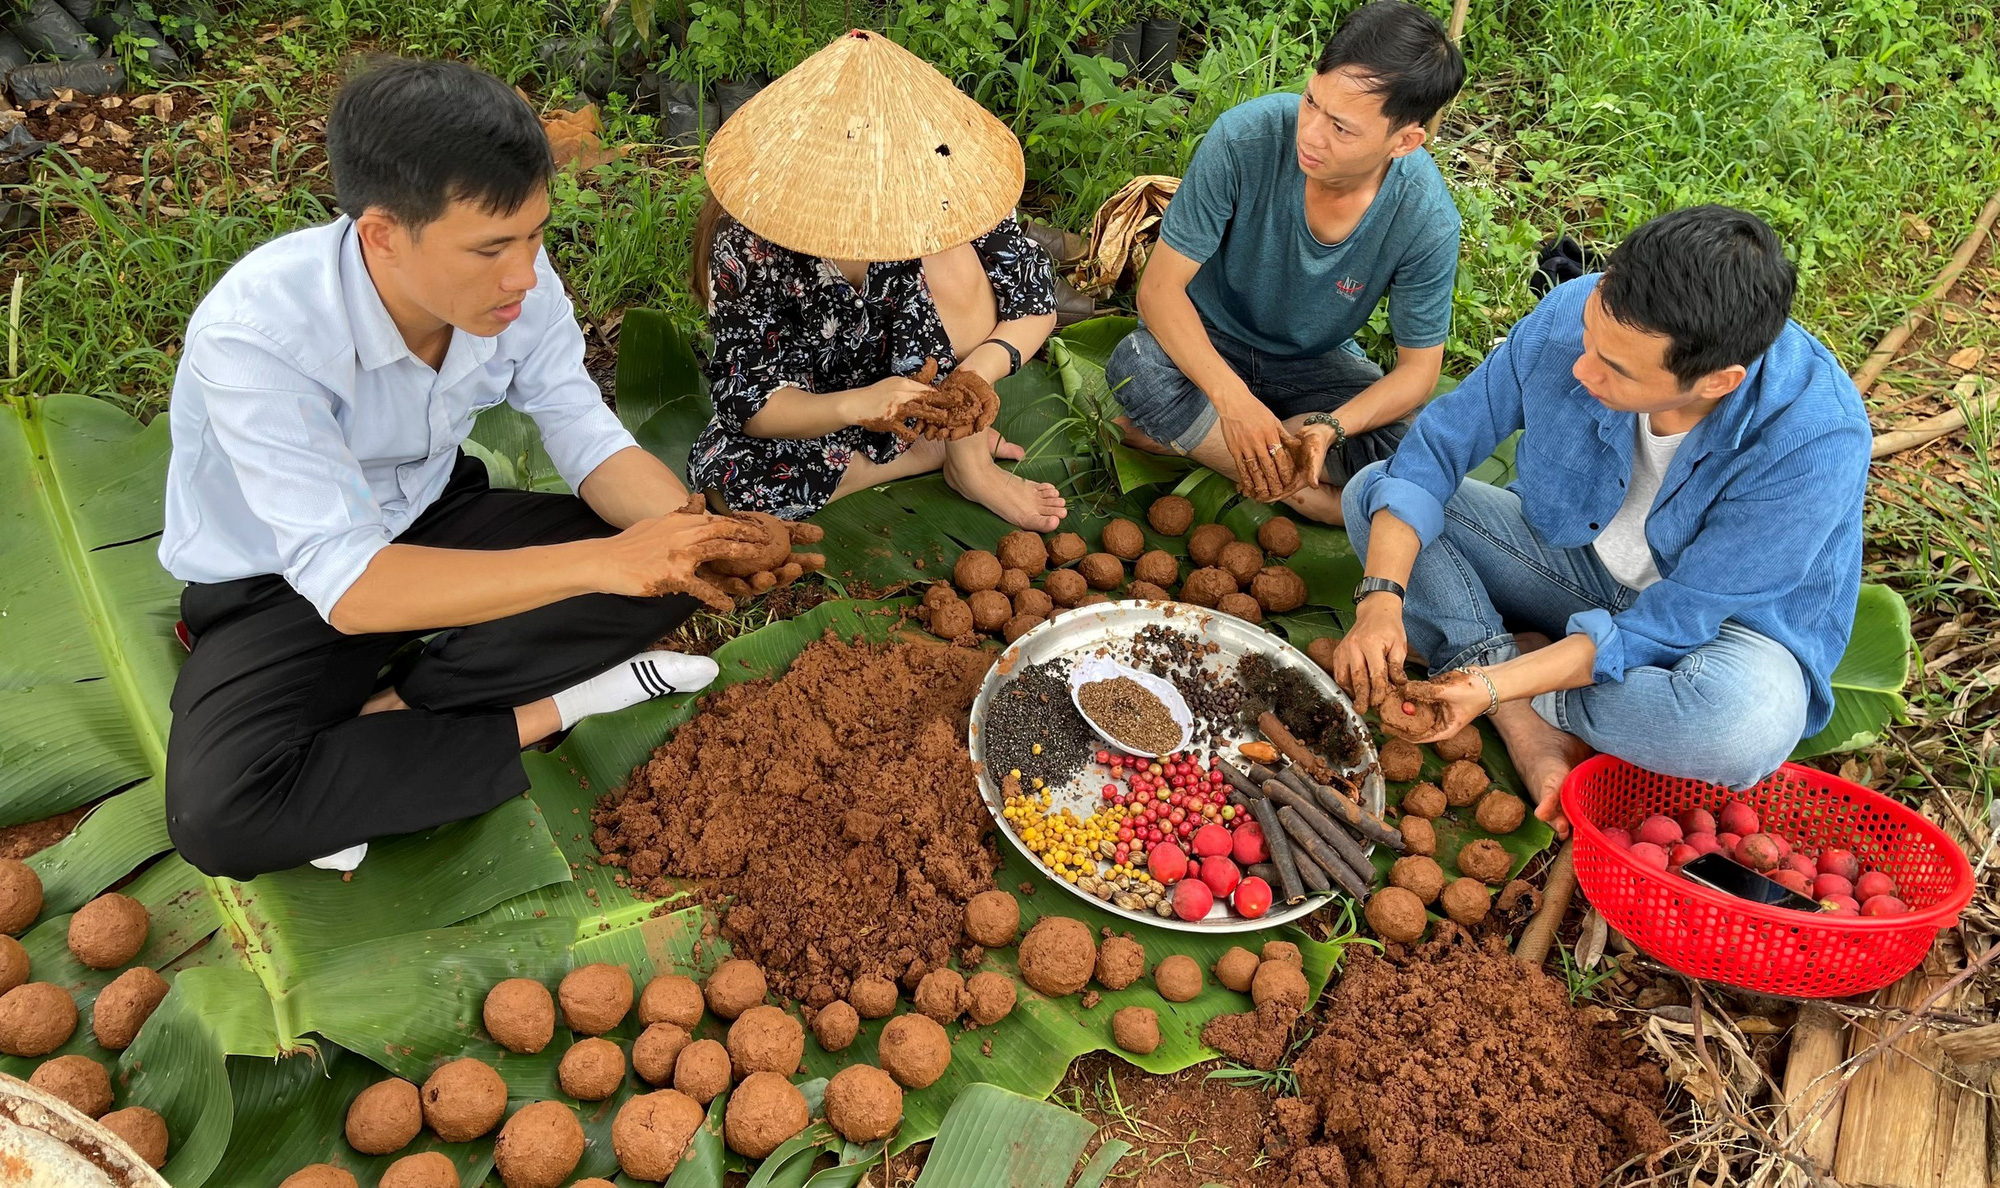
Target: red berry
1166,863
1212,841
1696,820
1252,898
1839,905
1883,905
1658,830
1649,854
1738,818
1124,833
1215,777
1681,854
1840,862
1831,884
1220,874
1107,757
1192,899
1177,816
1110,790
1247,845
1871,884
1619,838
1803,865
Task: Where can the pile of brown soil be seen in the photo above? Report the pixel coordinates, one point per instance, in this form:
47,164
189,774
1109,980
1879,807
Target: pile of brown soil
835,811
1454,1063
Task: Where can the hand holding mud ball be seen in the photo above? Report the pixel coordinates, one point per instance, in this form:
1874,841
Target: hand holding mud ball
1254,437
661,556
1368,661
883,401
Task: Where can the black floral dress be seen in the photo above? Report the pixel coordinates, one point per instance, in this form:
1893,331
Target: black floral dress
784,319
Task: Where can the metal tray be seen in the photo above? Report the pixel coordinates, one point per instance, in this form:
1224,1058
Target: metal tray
1108,628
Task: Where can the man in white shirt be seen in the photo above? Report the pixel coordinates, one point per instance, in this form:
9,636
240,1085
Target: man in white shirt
321,511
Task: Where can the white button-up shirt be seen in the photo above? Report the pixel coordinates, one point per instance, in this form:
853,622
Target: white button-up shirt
306,436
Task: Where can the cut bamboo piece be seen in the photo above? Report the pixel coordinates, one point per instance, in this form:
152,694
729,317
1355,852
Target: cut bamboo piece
1533,947
1903,1126
1819,1044
1895,441
1974,1045
1885,351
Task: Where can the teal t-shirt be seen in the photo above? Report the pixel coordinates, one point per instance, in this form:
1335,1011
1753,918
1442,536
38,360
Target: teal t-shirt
1267,281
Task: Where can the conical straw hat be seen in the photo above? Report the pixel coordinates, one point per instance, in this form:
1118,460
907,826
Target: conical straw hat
865,152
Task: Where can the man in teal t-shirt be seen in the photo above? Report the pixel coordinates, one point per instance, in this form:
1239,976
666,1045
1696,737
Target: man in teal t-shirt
1297,215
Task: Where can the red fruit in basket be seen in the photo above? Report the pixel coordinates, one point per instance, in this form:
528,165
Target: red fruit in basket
1873,883
1840,905
1792,880
1728,842
1704,843
1167,863
1738,818
1784,845
1884,905
1252,898
1803,865
1840,862
1192,899
1247,845
1831,884
1759,851
1658,830
1680,855
1649,854
1212,841
1619,838
1696,820
1221,875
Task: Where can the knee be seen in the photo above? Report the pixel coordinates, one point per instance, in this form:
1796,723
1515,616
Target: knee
1745,724
1130,359
207,824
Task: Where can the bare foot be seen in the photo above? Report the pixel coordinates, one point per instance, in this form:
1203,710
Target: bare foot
1544,757
1037,507
1320,504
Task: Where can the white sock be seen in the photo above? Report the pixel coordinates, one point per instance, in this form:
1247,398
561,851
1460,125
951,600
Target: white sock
343,860
643,677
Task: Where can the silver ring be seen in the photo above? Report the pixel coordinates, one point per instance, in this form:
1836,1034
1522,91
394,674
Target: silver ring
1272,449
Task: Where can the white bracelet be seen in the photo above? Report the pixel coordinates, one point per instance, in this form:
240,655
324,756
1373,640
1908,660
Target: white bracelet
1492,692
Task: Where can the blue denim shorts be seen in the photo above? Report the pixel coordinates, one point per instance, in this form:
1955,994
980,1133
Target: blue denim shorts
1168,407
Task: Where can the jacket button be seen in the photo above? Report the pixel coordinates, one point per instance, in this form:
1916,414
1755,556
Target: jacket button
1593,527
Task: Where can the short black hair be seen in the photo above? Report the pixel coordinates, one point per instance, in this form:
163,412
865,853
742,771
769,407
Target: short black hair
1714,280
1406,54
411,137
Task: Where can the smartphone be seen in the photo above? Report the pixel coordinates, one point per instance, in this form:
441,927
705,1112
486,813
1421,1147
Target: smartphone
1733,878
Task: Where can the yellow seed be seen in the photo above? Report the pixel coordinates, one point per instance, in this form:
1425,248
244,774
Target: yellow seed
1036,749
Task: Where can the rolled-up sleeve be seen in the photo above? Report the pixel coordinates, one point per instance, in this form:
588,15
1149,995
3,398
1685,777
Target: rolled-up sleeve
553,386
291,460
754,319
1021,273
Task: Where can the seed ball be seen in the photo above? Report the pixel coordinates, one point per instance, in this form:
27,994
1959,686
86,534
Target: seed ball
1124,539
1517,895
78,1080
108,931
765,1039
14,963
1170,515
1066,587
993,919
941,995
671,998
318,1175
1178,978
953,620
1280,982
1465,901
1024,551
463,1100
1205,544
539,1147
1034,603
1205,587
1019,626
1136,1029
1321,652
1013,581
520,1015
1278,536
989,997
1464,782
1419,875
1500,812
1242,606
1419,835
764,1111
36,1019
735,987
1147,592
145,1132
1466,744
863,1103
1057,956
592,1069
1236,969
914,1049
990,610
1093,598
1425,801
656,1050
385,1117
429,1169
1282,951
835,1025
653,1130
702,1072
1102,570
1485,860
1278,589
123,1007
1241,559
874,996
1395,914
1400,760
595,998
938,595
1157,568
1121,961
20,896
976,570
1066,548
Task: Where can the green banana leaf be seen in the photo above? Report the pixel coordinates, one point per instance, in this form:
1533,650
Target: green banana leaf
1868,681
979,1143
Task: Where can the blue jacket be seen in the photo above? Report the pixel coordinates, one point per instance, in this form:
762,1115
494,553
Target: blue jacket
1758,519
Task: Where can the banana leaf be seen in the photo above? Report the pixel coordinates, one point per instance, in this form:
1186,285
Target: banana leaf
1868,681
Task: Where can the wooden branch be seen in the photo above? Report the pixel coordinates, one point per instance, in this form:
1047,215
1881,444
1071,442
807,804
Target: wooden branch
1344,843
1885,351
1901,1126
1895,441
1973,1046
1819,1044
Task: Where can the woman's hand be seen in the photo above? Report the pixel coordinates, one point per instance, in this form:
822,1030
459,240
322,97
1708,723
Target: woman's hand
1318,439
882,404
1458,696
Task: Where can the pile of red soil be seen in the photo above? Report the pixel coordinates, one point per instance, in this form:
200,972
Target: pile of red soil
834,811
1454,1063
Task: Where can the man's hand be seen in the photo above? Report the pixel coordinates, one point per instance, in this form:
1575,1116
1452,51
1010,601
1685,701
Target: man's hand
772,563
663,555
1256,442
1369,661
1318,439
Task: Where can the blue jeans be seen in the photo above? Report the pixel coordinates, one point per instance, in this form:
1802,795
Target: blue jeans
1728,713
1168,407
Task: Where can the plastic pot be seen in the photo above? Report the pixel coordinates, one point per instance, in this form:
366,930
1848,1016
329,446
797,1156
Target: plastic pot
1127,46
731,94
41,80
687,116
1159,48
48,30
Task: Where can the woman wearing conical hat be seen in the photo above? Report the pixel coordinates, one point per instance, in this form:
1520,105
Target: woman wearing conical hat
860,238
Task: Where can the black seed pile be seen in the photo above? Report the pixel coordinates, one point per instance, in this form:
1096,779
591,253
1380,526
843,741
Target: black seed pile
1034,708
1181,658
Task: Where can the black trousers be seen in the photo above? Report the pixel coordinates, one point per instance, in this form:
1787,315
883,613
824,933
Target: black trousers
268,764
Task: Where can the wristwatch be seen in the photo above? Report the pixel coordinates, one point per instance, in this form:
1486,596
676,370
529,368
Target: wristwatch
1013,353
1375,585
1328,419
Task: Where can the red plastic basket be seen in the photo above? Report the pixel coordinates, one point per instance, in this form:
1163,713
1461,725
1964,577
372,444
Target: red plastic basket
1710,935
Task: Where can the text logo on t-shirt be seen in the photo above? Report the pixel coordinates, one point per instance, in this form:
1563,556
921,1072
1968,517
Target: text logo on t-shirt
1348,286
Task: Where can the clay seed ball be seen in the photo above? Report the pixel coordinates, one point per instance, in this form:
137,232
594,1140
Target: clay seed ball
863,1103
320,1175
539,1147
653,1130
1518,893
990,610
1425,801
941,995
1396,915
463,1100
1500,812
1282,951
14,963
108,931
1400,760
702,1072
915,1050
1242,559
593,1182
1066,548
1124,540
735,987
1206,543
1024,551
520,1015
1281,982
1485,860
1012,582
953,620
592,1069
656,1049
1236,969
1419,875
1170,515
1121,961
124,1006
385,1117
1468,743
1278,589
1035,604
938,595
1178,978
1102,570
766,1039
1019,626
1205,587
764,1111
835,1025
595,998
1136,1029
430,1169
1465,901
874,996
1242,606
1157,567
1419,835
671,998
78,1080
993,919
989,997
1278,536
20,896
146,1133
1147,592
36,1019
1464,782
1057,956
1321,651
976,570
1093,598
1066,587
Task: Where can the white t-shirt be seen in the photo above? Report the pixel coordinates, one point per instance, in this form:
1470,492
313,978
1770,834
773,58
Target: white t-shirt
1622,545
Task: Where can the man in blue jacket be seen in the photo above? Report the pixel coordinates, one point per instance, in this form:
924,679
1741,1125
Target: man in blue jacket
1686,526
